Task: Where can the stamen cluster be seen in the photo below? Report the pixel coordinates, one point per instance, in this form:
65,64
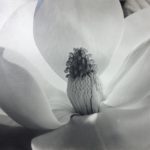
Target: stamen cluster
79,64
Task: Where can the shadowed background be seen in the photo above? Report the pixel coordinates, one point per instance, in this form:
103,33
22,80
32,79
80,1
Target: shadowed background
13,136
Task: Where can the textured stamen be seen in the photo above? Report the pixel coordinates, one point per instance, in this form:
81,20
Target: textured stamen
80,64
84,89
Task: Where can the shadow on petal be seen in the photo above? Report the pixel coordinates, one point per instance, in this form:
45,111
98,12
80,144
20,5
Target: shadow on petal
135,84
15,137
113,129
24,99
21,29
135,33
79,134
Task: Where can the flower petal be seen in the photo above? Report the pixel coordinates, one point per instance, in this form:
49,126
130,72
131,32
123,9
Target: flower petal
144,102
135,33
60,26
23,95
7,7
113,129
19,30
135,84
79,134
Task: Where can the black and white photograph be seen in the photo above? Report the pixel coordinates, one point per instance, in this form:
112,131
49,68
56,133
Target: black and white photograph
74,74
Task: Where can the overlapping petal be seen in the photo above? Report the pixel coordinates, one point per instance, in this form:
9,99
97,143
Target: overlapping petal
59,26
17,34
28,98
135,33
125,129
7,7
135,84
113,129
132,75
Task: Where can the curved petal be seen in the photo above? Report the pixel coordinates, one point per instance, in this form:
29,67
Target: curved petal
79,134
135,84
144,102
23,95
19,29
60,26
113,129
7,7
135,33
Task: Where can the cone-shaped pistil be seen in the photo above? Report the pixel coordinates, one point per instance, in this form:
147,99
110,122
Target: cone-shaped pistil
84,89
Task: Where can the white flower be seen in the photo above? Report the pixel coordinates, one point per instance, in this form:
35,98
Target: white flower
29,89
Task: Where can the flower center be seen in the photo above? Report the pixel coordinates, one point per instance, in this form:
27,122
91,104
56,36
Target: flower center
84,89
80,64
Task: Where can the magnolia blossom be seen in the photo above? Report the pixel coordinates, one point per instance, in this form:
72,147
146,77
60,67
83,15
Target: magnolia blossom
36,38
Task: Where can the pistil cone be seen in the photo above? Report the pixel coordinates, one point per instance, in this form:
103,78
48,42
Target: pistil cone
84,88
85,94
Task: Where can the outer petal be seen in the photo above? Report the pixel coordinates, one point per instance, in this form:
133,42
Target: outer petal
135,84
17,34
23,97
136,32
144,102
59,26
7,7
113,129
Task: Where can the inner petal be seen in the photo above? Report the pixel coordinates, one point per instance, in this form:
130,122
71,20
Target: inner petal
62,25
135,33
135,84
39,96
19,30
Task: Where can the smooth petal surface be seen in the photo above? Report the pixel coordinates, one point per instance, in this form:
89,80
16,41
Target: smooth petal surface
58,100
135,84
60,26
17,34
79,134
144,102
135,33
113,129
7,7
23,95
